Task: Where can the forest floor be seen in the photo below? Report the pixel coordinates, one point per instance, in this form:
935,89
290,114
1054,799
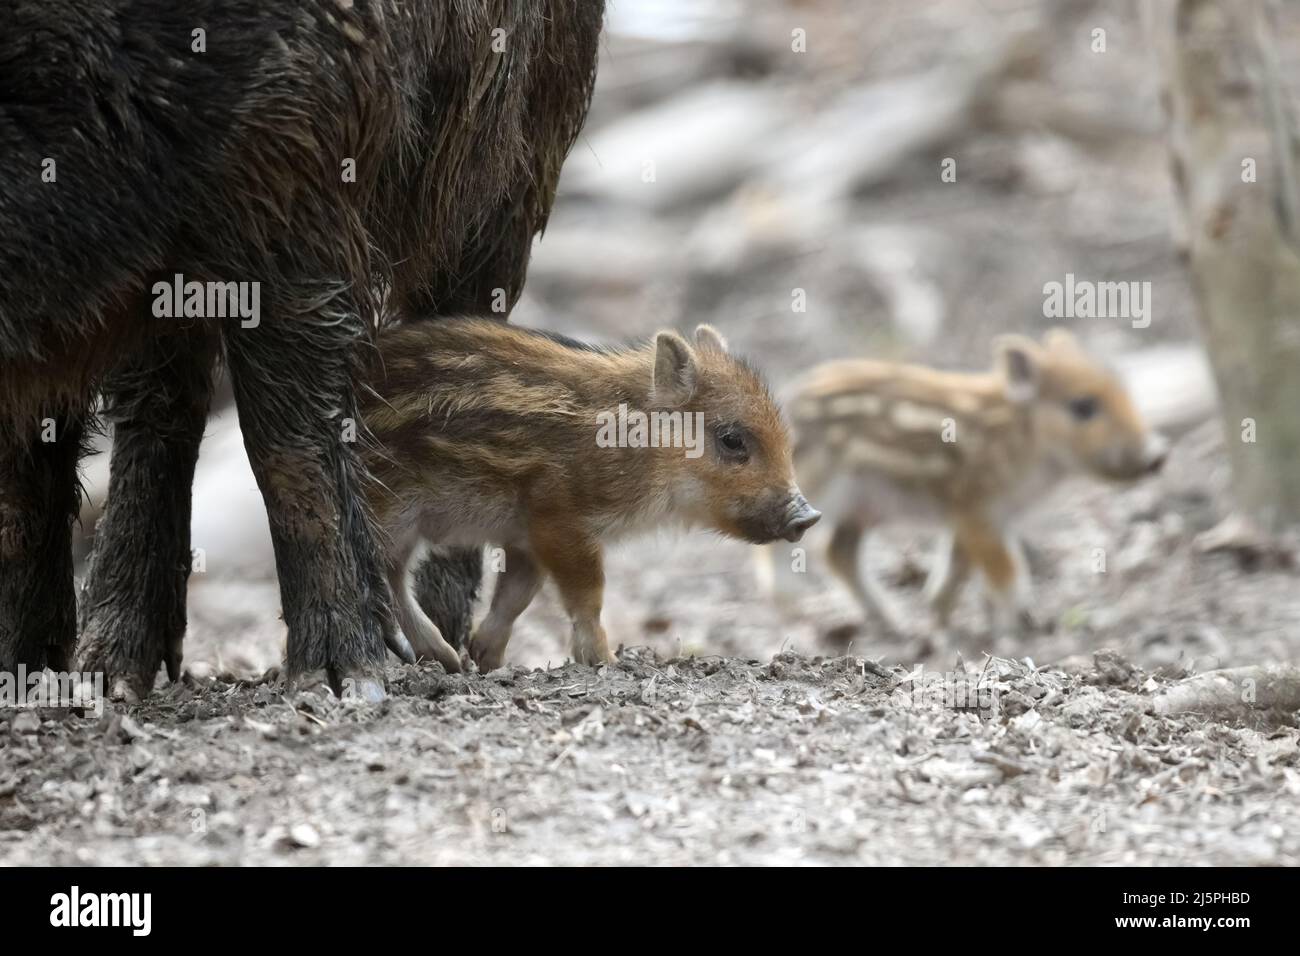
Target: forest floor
729,731
696,761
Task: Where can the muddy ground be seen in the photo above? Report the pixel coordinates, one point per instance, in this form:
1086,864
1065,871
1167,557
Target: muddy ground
736,729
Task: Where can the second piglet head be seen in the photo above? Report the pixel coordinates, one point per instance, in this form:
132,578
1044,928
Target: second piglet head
1083,414
740,479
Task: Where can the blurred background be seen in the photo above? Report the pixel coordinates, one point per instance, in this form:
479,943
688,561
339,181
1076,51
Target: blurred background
773,167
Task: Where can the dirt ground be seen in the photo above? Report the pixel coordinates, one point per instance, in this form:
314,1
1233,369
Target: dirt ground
704,760
736,729
722,736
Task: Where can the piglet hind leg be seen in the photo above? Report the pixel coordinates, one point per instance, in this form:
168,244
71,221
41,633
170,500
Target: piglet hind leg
517,585
575,564
293,380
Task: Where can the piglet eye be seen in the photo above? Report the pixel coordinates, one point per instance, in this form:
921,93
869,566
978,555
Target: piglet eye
731,440
1083,408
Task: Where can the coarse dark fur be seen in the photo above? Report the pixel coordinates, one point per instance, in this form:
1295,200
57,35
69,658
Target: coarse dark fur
226,165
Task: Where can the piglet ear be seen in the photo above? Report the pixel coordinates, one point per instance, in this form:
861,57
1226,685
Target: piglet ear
1019,361
707,337
675,372
1060,340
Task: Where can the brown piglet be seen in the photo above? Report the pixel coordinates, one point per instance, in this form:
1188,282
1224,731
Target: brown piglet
492,434
882,442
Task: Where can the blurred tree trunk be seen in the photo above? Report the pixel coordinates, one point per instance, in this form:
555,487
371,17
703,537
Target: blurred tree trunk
1233,155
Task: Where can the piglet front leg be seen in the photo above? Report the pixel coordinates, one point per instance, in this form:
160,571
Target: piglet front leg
574,560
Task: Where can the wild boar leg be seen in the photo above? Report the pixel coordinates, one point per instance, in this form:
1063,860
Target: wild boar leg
517,585
38,503
293,381
948,576
133,601
575,564
845,546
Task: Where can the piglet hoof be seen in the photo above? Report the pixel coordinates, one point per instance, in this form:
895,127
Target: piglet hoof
594,656
486,654
442,652
451,663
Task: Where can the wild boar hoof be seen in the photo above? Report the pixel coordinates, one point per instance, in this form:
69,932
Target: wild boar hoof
362,686
124,691
367,689
127,681
172,660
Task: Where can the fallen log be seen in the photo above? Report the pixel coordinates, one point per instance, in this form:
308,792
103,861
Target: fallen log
1239,694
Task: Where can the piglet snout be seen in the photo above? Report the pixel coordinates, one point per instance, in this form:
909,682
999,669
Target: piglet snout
799,517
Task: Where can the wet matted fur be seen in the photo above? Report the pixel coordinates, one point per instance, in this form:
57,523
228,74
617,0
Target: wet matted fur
227,165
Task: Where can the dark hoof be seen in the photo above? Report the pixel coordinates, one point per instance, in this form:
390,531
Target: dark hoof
172,660
128,681
368,690
359,685
125,691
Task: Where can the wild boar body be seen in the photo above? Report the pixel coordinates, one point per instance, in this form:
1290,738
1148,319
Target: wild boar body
375,140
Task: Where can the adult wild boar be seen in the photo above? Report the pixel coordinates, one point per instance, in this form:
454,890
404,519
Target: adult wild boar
312,165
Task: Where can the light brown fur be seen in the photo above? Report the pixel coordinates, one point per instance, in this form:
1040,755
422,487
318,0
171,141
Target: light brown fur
879,441
487,434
